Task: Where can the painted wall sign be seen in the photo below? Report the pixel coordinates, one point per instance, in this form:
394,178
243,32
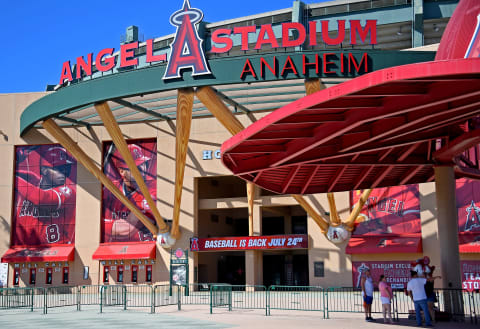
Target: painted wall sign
297,241
187,51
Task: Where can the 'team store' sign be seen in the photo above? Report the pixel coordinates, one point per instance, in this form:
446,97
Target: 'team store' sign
186,51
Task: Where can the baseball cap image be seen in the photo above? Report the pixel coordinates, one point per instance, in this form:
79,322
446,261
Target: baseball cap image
55,156
137,153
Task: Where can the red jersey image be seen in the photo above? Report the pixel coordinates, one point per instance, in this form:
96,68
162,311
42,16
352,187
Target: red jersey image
389,210
45,196
119,224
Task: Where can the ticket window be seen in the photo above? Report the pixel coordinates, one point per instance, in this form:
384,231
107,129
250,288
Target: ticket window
106,271
148,274
33,276
16,276
49,276
120,274
134,273
65,275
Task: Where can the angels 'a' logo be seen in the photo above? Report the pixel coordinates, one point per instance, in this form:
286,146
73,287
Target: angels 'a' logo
194,244
473,49
186,48
473,217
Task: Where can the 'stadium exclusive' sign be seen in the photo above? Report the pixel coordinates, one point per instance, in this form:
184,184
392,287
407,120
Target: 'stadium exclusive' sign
295,241
187,52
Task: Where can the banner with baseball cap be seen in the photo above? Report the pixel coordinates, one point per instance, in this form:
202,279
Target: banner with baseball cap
44,196
119,224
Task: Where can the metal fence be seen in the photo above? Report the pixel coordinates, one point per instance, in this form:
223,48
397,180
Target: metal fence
451,304
298,298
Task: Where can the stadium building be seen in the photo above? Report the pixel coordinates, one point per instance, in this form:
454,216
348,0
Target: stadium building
115,174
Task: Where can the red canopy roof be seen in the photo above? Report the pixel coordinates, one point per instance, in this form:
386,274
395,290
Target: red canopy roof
39,254
380,129
130,250
384,244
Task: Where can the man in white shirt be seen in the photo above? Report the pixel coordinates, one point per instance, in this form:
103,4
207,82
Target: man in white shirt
416,290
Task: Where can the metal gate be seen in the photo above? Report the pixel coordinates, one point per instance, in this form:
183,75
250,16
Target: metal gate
220,296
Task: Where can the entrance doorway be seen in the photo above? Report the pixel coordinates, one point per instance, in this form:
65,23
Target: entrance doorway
231,269
285,269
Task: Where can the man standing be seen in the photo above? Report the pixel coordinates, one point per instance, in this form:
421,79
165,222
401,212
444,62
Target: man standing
367,294
416,290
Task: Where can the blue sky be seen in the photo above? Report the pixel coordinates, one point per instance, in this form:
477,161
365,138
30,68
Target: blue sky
38,36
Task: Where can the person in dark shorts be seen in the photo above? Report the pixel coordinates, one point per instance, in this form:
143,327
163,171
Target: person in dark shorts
367,294
429,291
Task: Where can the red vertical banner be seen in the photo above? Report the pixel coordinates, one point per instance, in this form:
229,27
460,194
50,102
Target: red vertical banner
119,224
44,196
468,205
389,210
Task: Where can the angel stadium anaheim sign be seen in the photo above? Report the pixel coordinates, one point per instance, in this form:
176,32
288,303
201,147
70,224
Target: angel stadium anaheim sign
187,50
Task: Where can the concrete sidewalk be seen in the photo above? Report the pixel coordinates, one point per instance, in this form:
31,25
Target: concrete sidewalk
197,317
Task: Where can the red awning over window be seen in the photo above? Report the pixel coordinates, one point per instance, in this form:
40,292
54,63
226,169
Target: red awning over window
133,250
39,254
384,244
469,243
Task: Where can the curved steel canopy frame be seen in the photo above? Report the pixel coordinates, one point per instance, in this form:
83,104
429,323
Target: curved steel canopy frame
373,131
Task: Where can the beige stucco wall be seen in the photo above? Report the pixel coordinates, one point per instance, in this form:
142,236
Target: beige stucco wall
206,134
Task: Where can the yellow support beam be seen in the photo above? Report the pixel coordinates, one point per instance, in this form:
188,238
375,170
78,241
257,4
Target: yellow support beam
321,222
358,207
334,219
116,134
184,122
218,108
85,160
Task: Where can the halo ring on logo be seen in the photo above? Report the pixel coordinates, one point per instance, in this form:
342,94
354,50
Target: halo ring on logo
177,18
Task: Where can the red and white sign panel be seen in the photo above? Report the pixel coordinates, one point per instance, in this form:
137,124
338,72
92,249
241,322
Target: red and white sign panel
389,210
397,273
470,274
119,224
297,241
45,196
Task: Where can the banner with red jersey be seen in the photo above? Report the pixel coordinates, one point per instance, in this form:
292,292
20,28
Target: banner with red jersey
397,273
389,210
119,224
44,196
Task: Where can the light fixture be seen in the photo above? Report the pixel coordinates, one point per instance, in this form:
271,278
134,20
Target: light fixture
435,27
399,32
